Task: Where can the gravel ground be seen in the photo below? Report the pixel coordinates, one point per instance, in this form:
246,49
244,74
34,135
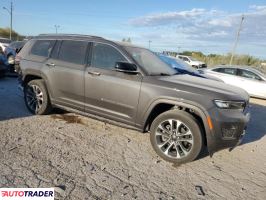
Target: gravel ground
86,159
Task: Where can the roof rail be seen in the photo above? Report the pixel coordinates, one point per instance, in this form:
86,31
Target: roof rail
71,35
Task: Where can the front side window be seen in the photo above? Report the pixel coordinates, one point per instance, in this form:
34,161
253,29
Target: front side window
106,56
216,69
42,47
248,74
73,51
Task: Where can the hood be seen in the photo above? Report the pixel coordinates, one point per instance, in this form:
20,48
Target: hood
208,85
208,76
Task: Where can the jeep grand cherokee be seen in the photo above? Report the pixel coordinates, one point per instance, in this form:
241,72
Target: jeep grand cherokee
130,86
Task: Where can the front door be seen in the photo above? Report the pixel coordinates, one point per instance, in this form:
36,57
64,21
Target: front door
109,93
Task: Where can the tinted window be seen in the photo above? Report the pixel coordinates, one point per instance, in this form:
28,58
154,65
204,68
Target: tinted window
73,51
105,56
231,71
216,70
248,74
186,59
42,47
56,49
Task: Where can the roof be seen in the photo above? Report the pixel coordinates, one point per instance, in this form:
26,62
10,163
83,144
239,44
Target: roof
250,68
234,66
76,36
82,37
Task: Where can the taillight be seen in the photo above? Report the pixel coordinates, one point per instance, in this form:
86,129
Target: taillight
17,59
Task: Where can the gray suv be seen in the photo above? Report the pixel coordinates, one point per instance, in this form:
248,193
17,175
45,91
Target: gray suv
131,87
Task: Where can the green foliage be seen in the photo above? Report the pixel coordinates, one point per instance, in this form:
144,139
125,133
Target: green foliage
126,40
215,59
5,32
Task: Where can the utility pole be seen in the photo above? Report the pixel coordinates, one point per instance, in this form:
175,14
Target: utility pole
11,18
179,50
237,39
150,44
56,28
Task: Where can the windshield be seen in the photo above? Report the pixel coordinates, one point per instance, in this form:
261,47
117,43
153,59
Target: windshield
16,45
151,63
193,59
177,63
259,71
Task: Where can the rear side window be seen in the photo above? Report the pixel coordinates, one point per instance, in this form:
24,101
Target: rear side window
42,47
231,71
216,70
73,51
105,56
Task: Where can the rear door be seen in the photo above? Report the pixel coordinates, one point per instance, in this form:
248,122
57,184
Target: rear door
66,73
109,93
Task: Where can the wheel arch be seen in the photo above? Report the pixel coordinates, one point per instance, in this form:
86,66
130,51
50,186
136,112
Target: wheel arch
163,105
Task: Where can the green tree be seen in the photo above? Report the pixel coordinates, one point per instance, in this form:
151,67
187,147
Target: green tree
5,32
129,40
126,40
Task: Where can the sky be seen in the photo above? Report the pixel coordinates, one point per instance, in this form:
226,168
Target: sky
209,26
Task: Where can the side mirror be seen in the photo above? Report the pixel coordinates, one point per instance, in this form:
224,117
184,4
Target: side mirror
18,50
126,67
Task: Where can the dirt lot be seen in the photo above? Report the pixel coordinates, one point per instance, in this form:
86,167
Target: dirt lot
87,159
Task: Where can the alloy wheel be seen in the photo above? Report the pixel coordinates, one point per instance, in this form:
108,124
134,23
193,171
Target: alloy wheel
34,97
174,138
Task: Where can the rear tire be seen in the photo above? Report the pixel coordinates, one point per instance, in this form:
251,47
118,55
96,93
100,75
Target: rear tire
176,136
36,97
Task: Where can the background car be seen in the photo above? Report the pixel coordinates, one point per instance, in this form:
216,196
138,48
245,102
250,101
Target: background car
192,62
12,49
248,78
183,68
4,42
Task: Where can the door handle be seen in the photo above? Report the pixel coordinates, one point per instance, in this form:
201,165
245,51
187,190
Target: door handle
94,73
50,64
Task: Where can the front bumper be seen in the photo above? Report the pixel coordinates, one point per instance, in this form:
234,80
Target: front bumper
229,129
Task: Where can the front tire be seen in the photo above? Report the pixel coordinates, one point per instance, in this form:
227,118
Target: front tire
36,97
176,136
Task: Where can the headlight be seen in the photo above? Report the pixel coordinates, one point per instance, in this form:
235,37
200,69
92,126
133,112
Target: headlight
240,105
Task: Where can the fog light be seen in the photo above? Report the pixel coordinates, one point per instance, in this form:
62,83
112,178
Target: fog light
230,132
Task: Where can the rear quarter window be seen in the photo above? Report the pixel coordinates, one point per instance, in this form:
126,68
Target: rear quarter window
42,48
